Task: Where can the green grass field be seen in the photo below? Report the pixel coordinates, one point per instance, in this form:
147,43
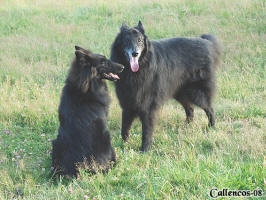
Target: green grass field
37,41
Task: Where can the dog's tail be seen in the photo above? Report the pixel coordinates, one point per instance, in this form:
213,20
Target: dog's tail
216,46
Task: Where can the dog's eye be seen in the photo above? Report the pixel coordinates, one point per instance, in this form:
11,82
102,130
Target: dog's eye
139,40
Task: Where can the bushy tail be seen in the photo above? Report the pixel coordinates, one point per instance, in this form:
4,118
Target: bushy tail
216,46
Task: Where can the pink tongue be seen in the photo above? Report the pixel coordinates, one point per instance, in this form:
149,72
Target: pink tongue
134,64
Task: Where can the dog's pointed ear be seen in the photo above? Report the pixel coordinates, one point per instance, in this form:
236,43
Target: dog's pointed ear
124,27
78,48
82,57
80,54
140,27
86,51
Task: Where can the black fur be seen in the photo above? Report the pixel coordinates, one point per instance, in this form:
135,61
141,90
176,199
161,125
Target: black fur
82,135
180,68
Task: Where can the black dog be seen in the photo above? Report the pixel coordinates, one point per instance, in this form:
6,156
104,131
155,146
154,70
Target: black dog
180,68
82,135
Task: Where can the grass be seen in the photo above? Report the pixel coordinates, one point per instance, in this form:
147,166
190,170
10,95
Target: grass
37,41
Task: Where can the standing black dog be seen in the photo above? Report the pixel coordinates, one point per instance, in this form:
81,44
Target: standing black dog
82,135
180,68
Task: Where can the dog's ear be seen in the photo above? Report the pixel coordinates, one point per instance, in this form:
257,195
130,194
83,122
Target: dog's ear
78,48
140,27
81,55
124,27
86,51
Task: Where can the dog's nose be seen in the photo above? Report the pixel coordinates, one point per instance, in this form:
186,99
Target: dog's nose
135,54
121,68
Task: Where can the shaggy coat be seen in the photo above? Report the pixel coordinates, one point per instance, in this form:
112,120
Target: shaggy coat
82,136
180,68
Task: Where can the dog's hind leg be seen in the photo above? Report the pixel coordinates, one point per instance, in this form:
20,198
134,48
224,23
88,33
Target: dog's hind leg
203,100
127,120
189,110
187,105
210,114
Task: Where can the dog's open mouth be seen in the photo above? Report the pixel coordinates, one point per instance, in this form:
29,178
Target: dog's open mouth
111,76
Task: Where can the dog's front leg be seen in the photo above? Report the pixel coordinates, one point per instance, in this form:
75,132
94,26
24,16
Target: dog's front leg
127,119
147,120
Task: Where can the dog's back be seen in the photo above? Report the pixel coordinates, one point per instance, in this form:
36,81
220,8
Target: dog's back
179,52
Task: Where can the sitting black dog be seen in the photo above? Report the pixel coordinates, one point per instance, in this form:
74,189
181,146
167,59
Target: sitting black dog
82,136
